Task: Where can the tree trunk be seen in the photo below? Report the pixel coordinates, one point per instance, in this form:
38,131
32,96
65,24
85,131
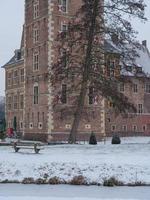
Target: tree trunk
84,85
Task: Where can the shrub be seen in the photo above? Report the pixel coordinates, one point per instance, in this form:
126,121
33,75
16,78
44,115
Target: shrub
78,180
116,139
28,181
40,181
112,182
54,181
92,139
2,135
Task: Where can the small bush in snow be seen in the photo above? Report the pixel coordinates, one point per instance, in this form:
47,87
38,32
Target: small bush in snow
112,182
40,181
92,139
28,181
78,180
116,139
54,181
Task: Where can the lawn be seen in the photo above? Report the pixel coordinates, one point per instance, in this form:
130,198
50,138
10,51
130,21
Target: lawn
128,162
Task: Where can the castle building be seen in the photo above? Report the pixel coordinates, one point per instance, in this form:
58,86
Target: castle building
29,92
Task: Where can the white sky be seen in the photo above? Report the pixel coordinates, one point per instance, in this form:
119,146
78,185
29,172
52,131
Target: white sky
11,21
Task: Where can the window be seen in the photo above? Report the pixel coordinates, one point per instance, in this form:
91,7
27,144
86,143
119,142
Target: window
91,95
88,126
21,101
15,102
110,68
9,79
38,117
64,94
140,108
68,126
135,88
31,125
15,77
35,35
22,75
124,128
9,103
147,88
21,125
64,59
111,104
36,9
113,127
36,61
33,118
36,95
134,128
144,128
43,116
64,28
40,125
122,87
63,5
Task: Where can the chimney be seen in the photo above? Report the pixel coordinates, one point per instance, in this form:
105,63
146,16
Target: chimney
144,43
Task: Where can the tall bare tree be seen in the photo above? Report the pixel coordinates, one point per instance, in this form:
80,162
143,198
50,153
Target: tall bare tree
81,52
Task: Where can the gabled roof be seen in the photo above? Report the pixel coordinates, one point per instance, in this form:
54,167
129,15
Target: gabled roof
142,60
14,60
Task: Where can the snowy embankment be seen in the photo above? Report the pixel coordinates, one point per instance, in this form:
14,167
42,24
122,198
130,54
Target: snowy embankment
128,163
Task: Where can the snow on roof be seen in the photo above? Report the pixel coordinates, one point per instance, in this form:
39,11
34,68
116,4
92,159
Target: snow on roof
144,59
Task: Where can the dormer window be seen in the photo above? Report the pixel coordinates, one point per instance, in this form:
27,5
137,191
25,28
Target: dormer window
18,54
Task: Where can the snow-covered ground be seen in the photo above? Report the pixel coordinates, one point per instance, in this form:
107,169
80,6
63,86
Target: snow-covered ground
64,192
128,162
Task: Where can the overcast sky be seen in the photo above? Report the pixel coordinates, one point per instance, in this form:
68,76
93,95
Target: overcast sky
11,21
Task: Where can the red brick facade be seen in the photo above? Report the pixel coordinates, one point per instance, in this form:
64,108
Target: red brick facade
44,19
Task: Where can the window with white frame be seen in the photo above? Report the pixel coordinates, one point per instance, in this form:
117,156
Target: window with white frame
64,27
121,87
36,9
40,125
140,108
9,102
124,128
21,125
22,75
9,78
63,5
110,68
135,88
134,128
15,78
35,34
147,88
36,94
15,102
31,125
36,61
